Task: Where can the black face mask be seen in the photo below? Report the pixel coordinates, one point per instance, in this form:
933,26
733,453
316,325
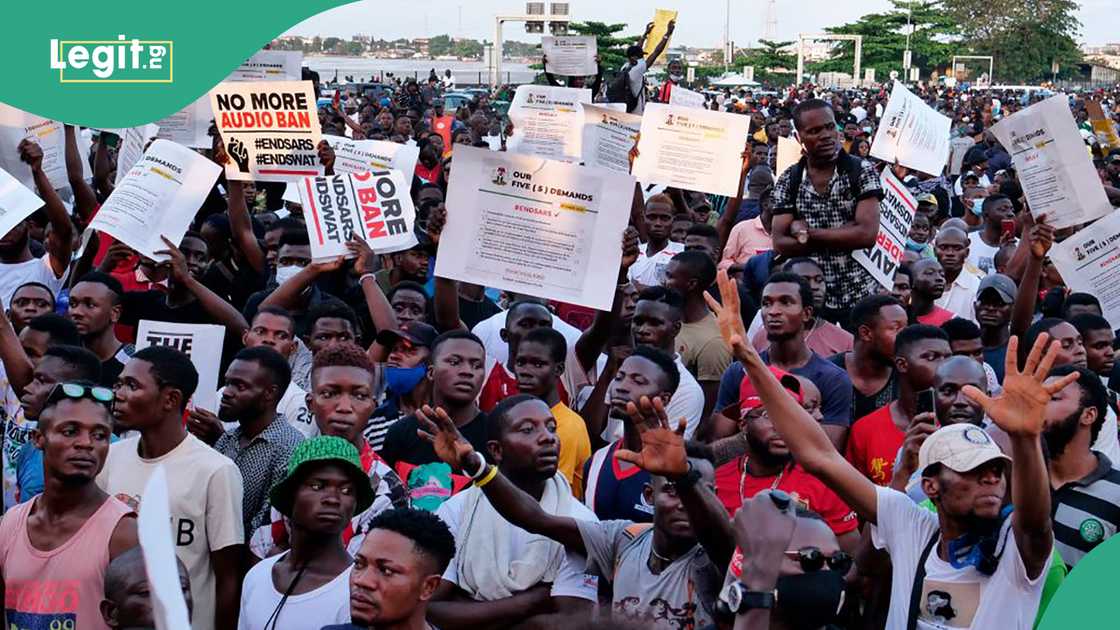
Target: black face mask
810,600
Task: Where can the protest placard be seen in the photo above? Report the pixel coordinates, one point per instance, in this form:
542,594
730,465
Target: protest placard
131,146
535,226
912,133
16,202
270,129
896,212
694,149
661,19
270,65
376,205
169,608
159,196
789,152
190,125
1104,128
608,136
685,97
546,121
1053,166
201,342
17,125
570,55
360,156
1089,262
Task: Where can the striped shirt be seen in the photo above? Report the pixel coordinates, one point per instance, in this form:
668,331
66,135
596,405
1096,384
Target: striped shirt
1086,511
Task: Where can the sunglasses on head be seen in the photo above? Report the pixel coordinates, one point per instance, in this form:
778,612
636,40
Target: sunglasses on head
78,391
813,559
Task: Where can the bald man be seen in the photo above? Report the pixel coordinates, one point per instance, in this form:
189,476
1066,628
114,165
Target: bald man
128,603
961,280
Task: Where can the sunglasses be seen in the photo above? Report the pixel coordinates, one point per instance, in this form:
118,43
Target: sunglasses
78,391
813,559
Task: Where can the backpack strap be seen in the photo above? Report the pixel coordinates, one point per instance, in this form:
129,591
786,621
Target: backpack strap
919,577
796,174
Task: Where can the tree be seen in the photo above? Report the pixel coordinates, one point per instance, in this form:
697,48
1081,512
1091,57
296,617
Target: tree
439,45
330,43
612,48
316,44
1024,36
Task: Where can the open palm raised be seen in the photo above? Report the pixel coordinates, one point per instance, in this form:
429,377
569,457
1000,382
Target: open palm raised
729,316
1021,408
662,448
437,428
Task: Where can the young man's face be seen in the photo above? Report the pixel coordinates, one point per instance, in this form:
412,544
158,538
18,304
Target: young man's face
197,255
248,388
329,331
48,372
458,369
535,370
921,361
324,500
93,308
413,264
273,331
991,310
406,354
409,305
659,220
74,437
885,328
636,377
818,134
525,318
815,277
138,400
1072,350
901,289
951,249
654,325
390,579
341,401
133,607
1098,350
950,402
783,314
528,443
974,495
929,279
27,304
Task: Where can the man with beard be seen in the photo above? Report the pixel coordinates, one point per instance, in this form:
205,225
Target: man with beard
409,265
62,541
95,308
262,442
667,573
1098,338
927,285
1082,480
870,364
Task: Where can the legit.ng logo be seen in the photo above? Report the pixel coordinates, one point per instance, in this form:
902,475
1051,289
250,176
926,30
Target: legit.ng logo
118,60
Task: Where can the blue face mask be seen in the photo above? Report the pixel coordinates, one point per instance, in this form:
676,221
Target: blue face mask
400,381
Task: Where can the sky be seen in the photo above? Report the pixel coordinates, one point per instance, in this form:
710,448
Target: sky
700,23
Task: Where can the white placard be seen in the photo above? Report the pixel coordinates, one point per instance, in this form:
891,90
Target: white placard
535,226
190,125
608,136
789,152
546,121
159,196
270,65
1053,166
1089,263
376,205
570,55
17,125
685,97
270,129
201,342
131,146
896,212
912,133
16,202
361,156
693,149
169,608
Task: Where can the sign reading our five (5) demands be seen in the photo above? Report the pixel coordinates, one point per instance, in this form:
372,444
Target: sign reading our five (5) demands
535,226
270,128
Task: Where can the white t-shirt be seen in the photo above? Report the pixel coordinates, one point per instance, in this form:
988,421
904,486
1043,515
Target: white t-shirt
292,408
637,74
981,254
649,271
205,492
34,270
326,605
489,331
951,598
1108,442
571,581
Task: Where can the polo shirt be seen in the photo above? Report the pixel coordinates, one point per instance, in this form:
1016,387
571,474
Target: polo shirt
1087,511
959,297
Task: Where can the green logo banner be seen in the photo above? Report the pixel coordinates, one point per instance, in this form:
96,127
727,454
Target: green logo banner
122,64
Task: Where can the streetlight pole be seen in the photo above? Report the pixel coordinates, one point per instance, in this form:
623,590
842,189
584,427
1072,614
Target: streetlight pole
727,37
906,53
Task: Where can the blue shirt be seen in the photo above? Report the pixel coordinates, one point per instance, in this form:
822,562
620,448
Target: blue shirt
835,386
29,470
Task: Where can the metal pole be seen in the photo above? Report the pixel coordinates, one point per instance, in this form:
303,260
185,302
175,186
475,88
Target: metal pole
727,37
496,52
909,29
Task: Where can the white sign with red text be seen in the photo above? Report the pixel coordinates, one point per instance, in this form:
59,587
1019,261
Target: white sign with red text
896,212
375,205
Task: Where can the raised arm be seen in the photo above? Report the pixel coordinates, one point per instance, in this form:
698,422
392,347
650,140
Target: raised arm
1037,244
60,243
85,201
380,312
548,78
16,363
597,407
591,343
102,167
517,507
1020,411
806,439
287,294
222,311
660,48
239,223
731,210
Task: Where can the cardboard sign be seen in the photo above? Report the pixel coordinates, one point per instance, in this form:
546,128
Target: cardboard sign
1088,263
608,136
547,121
201,342
693,149
361,156
375,205
896,213
270,128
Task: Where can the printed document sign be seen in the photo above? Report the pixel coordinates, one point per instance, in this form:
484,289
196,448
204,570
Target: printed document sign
546,121
201,342
570,55
693,149
131,146
535,226
270,65
159,196
1054,168
17,125
16,202
189,126
896,212
270,129
608,136
1089,263
168,605
912,133
685,97
375,205
361,156
789,152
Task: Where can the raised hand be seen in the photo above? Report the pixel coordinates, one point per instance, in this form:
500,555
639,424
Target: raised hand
1021,408
1041,237
730,317
631,247
437,428
763,532
180,271
366,259
240,155
662,448
32,153
437,218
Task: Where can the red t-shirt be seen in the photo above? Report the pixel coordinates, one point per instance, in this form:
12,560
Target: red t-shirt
873,445
807,490
936,317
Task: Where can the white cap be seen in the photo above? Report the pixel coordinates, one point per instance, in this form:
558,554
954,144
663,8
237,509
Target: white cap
960,447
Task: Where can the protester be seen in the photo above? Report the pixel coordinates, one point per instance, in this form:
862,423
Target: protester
128,600
29,300
927,286
878,319
275,328
951,247
95,307
699,344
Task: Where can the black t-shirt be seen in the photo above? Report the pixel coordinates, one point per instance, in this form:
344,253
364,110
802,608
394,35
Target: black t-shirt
402,444
114,365
235,284
472,312
863,405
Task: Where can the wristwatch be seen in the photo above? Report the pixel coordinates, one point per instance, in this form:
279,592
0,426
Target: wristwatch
740,600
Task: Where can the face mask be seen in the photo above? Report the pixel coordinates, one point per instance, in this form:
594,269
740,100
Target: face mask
400,381
676,77
810,600
914,246
285,273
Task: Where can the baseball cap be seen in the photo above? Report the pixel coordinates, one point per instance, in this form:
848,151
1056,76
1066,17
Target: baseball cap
959,447
749,398
1001,284
929,198
327,449
416,333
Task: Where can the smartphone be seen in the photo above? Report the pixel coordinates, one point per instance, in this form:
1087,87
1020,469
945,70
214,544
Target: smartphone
1008,226
926,401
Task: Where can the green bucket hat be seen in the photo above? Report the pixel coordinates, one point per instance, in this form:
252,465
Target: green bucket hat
322,449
